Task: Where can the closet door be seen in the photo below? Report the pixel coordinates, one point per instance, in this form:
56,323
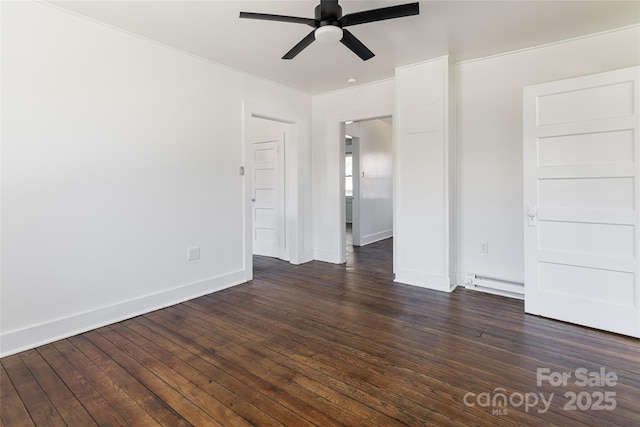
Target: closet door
581,197
268,196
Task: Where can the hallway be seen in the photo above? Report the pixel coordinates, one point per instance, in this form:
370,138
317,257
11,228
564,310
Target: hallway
376,257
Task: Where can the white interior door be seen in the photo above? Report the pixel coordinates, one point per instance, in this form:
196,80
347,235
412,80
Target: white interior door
268,196
581,197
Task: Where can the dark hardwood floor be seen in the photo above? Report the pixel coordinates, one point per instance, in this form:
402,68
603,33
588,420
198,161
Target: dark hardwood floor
322,345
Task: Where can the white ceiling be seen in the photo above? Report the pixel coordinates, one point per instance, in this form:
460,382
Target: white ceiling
463,29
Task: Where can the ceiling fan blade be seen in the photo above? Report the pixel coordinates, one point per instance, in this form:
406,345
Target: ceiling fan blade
380,14
329,9
350,41
300,46
281,18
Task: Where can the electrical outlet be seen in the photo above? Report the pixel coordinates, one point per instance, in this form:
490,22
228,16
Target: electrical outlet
484,247
193,253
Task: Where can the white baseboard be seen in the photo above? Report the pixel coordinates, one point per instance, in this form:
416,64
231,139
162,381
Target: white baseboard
33,336
305,257
424,280
327,256
376,237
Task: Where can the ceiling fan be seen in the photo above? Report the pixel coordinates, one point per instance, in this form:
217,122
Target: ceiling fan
329,24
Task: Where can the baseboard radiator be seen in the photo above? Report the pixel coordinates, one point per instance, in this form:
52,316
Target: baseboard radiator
494,285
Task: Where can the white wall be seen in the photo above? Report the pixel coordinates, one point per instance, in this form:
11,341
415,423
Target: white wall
423,203
117,155
358,103
489,133
375,219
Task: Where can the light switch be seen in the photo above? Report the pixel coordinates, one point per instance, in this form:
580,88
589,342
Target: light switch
193,253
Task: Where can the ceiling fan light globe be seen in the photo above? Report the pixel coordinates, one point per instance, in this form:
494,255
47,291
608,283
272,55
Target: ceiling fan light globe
328,34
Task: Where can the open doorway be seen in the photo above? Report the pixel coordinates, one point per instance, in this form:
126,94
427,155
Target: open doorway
368,183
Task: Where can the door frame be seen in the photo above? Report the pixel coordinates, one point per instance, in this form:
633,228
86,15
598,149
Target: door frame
355,204
292,190
336,126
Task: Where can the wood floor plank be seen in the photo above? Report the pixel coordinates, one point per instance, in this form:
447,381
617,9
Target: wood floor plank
378,366
255,361
41,410
252,310
300,352
489,319
87,395
322,345
182,409
410,338
465,367
12,411
133,395
67,405
451,315
245,400
180,378
217,354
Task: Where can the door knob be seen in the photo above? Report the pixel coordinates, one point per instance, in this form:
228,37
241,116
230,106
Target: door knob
531,213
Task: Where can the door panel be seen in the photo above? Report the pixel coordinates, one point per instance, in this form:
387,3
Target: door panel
612,147
581,197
